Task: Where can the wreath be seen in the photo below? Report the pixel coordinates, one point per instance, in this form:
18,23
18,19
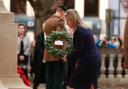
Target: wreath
58,50
23,76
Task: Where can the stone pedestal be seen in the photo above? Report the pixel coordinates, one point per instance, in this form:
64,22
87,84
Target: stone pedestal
9,79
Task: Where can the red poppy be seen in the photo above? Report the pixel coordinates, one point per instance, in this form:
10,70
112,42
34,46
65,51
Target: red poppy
22,75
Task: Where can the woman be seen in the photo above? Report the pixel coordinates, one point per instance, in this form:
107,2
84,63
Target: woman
23,48
85,54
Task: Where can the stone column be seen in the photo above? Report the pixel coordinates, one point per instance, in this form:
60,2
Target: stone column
79,6
103,68
119,66
111,67
9,79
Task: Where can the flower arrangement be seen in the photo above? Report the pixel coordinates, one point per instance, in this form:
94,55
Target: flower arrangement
62,38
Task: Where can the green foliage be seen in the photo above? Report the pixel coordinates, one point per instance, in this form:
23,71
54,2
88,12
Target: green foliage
63,36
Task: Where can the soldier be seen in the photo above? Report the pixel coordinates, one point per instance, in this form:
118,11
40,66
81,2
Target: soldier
54,66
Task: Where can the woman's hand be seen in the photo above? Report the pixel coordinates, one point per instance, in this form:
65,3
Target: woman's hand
64,59
21,57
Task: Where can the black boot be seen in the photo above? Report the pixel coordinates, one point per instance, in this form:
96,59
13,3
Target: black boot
35,86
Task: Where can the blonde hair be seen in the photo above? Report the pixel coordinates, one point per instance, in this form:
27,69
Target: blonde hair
73,15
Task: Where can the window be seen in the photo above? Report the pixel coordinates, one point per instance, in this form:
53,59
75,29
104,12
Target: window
91,8
69,4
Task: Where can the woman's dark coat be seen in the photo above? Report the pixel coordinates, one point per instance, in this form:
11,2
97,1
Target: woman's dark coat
87,60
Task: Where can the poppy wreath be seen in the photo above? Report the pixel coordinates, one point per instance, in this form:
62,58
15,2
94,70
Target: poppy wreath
55,50
23,76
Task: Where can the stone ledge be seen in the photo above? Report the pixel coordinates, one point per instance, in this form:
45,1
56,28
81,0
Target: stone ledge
9,76
2,86
2,7
7,17
13,83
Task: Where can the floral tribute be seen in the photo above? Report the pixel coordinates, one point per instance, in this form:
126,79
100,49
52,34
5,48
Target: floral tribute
61,38
22,75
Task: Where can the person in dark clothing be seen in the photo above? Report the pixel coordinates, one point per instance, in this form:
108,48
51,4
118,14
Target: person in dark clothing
87,58
38,66
24,45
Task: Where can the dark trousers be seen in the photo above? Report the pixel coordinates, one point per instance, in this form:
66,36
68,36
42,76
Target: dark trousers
54,74
39,76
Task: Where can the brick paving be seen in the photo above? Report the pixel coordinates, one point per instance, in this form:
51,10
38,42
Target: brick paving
113,83
42,86
104,83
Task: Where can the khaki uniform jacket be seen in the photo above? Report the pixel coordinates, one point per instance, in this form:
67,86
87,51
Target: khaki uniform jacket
54,23
125,50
